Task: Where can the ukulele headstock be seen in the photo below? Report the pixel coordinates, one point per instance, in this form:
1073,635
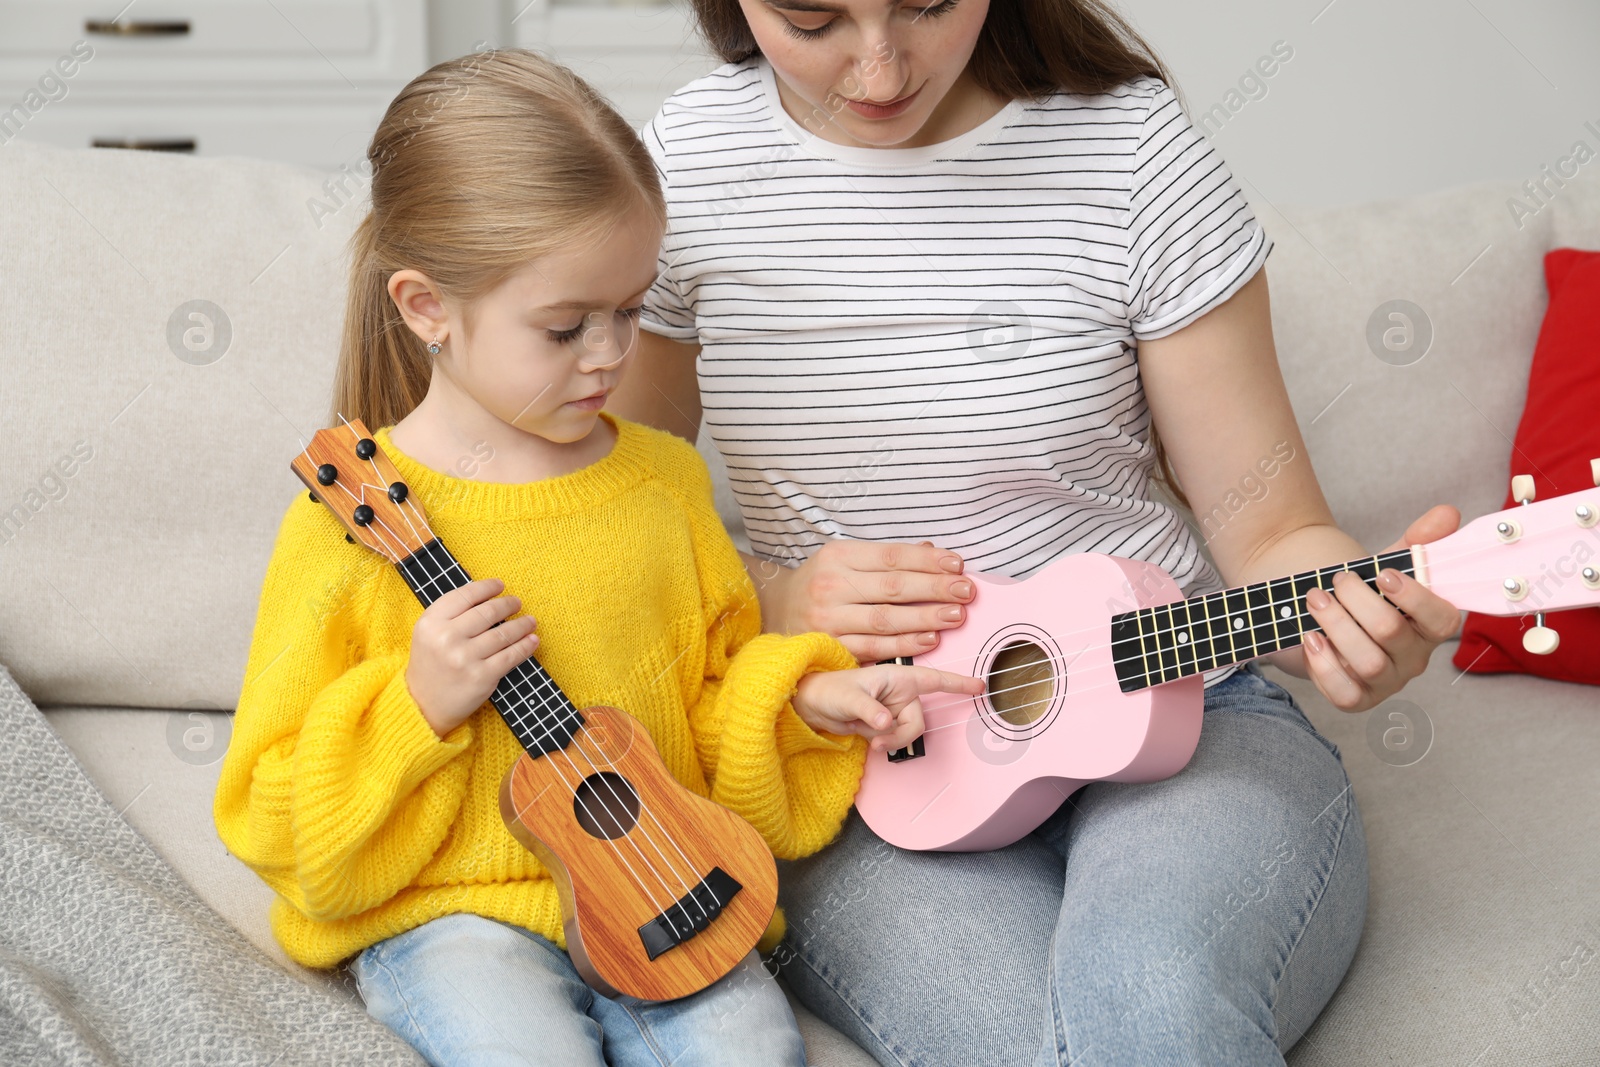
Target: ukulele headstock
344,468
1530,559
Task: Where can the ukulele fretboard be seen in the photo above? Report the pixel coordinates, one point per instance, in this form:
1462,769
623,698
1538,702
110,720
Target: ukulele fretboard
1150,646
539,714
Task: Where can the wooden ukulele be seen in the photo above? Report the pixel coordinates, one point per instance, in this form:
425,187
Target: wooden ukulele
662,891
1093,666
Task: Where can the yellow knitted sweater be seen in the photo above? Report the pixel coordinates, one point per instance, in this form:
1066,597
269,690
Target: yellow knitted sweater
366,824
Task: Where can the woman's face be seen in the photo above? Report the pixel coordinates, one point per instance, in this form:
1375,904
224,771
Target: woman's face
842,60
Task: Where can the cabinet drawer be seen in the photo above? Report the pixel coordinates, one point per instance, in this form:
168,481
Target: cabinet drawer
166,41
309,130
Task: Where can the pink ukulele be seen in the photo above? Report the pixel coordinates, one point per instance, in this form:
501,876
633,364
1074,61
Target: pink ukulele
1093,666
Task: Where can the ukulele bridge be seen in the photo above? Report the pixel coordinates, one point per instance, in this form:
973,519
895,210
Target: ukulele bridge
692,913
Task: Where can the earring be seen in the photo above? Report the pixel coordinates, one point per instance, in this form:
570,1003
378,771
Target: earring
433,347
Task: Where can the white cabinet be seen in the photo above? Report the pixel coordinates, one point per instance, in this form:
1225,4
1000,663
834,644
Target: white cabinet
304,81
636,55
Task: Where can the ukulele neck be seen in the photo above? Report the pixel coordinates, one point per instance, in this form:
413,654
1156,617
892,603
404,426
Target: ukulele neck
1171,641
539,714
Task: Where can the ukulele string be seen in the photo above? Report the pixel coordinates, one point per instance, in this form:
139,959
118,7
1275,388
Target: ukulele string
1215,598
549,735
646,811
543,706
546,728
643,807
577,798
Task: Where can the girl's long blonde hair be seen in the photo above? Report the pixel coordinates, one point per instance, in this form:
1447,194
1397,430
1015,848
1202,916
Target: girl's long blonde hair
480,165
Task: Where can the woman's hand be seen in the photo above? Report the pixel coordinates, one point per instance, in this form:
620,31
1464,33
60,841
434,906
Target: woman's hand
460,649
882,703
1368,650
880,600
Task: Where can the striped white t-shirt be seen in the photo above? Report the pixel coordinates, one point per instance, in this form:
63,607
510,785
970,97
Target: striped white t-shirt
938,343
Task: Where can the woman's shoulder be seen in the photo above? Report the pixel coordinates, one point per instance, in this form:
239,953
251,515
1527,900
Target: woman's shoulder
732,93
1127,102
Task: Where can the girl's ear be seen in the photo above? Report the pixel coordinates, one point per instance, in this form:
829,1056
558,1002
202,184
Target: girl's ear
420,304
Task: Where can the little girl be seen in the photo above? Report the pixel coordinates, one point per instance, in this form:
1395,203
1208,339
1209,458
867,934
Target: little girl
513,233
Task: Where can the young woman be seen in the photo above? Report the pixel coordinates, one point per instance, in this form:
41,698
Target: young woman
941,272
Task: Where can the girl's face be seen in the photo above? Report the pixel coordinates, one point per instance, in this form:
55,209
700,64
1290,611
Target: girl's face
550,343
842,61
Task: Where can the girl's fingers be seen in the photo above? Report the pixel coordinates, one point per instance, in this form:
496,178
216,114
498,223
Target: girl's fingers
502,662
464,598
930,680
909,726
479,618
503,636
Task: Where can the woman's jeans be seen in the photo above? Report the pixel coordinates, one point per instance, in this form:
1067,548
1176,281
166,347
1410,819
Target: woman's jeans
465,990
1204,919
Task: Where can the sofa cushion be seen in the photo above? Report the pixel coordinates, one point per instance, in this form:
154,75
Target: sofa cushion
148,451
1392,436
1482,813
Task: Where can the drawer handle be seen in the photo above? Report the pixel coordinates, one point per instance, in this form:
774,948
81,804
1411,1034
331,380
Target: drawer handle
119,28
181,144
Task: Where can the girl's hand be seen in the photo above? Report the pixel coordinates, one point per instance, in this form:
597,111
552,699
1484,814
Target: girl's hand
880,600
1368,650
881,702
460,649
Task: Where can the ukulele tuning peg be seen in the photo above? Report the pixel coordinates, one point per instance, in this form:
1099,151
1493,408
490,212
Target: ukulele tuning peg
1522,488
1540,640
1594,470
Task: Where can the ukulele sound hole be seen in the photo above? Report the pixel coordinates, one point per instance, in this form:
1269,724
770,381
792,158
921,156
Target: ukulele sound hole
1021,683
606,805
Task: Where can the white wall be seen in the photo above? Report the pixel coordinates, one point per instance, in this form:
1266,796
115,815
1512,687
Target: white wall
1386,98
1381,98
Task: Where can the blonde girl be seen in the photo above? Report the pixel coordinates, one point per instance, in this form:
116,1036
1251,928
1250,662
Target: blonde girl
513,233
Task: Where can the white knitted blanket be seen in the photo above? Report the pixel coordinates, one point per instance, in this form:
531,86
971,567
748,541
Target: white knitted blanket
107,957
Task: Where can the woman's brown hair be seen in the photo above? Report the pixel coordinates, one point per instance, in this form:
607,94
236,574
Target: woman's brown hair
480,165
1026,50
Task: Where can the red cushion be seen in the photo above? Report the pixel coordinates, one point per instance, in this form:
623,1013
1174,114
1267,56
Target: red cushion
1558,435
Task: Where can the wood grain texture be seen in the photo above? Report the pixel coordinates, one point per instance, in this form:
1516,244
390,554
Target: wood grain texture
610,888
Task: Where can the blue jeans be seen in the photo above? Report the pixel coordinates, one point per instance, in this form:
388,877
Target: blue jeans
463,990
1204,919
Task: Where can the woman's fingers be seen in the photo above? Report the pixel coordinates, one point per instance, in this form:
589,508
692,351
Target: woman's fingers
899,556
887,620
872,648
870,572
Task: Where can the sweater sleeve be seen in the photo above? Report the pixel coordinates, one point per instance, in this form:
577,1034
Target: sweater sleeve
334,789
761,760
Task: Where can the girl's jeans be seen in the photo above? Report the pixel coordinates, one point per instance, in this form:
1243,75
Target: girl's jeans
1204,919
463,990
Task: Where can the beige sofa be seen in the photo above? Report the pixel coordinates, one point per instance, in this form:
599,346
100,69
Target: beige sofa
146,470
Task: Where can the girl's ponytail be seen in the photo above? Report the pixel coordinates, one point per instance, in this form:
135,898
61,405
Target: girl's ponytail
383,369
